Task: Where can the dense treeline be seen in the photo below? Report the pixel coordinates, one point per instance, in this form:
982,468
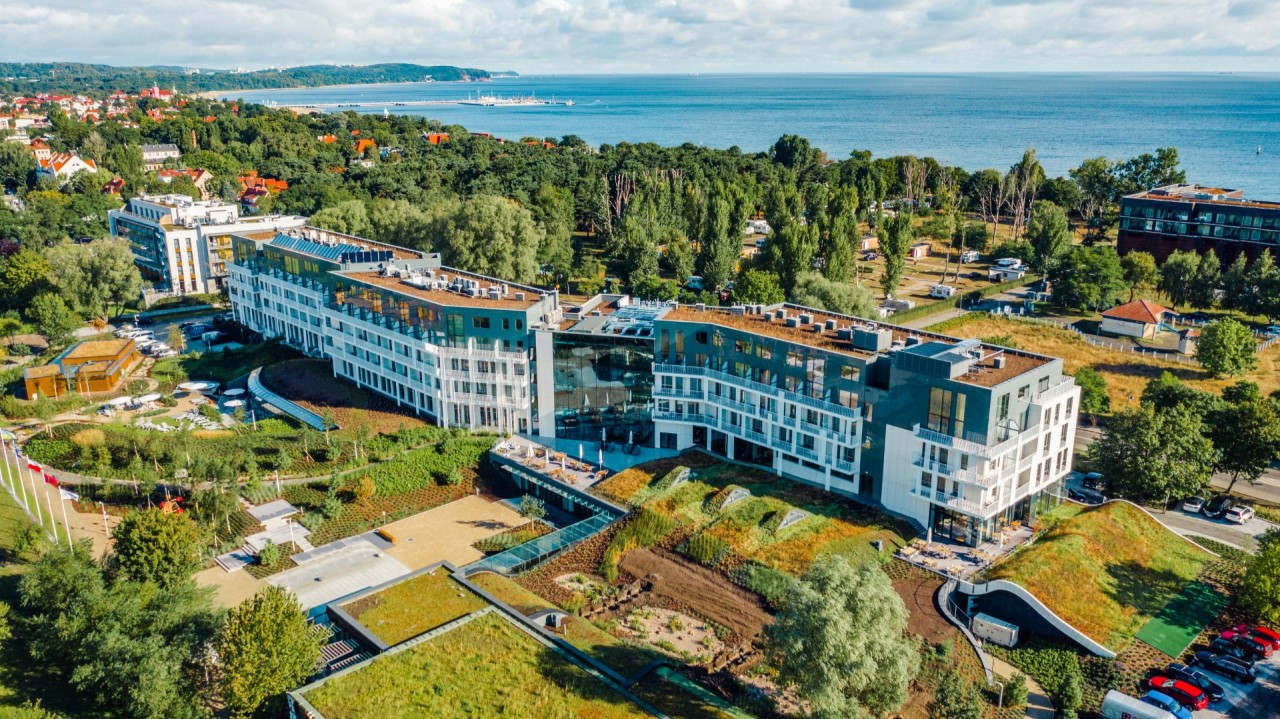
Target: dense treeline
75,77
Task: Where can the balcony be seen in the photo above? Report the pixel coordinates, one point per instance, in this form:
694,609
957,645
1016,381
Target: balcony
931,466
844,465
767,390
733,404
677,393
783,445
966,445
987,479
685,417
806,453
1055,391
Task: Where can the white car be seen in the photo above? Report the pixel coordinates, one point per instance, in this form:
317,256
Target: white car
1239,514
1193,504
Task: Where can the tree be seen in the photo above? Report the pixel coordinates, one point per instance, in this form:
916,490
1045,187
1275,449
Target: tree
364,490
154,546
95,276
721,239
814,290
839,640
895,239
1262,295
1093,391
52,319
1097,190
1167,392
1087,278
1149,453
23,275
1139,271
1260,589
1049,235
1016,691
350,217
1235,284
955,698
758,287
1226,348
490,235
175,338
975,236
1205,281
1246,433
679,257
1176,276
1147,171
792,242
267,648
532,508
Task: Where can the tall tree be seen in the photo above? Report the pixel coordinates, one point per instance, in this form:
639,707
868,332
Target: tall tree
53,320
267,648
839,640
1093,391
1235,284
792,241
1260,589
1227,348
1147,171
1139,271
1087,278
1049,235
492,236
1176,276
895,240
1204,284
1025,178
155,546
1097,190
679,257
350,217
755,286
1247,436
721,238
1147,453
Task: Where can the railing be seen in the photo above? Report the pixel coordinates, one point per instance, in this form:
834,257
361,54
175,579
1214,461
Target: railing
301,414
779,444
677,392
685,417
768,390
932,466
1055,391
844,465
987,479
966,445
806,453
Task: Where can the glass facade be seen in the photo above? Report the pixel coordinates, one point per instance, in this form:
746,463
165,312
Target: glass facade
604,388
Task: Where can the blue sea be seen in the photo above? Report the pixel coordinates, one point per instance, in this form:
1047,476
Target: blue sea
1217,121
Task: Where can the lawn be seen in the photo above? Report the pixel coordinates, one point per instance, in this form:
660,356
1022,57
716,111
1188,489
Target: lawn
622,656
219,365
405,610
1107,570
485,668
835,526
1126,374
310,383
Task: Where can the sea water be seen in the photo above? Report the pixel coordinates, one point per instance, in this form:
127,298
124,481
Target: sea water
1226,126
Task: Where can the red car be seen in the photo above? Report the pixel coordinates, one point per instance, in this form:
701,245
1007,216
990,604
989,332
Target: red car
1262,634
1191,697
1257,647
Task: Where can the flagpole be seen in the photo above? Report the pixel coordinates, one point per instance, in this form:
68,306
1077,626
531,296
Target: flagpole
8,470
16,477
52,522
35,498
66,524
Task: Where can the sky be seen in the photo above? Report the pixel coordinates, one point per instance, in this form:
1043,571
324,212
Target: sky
655,36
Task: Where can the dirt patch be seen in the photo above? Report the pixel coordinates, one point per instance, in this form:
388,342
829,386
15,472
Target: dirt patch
923,618
707,594
673,632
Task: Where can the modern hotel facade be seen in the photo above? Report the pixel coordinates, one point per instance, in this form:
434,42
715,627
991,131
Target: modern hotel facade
1197,219
955,435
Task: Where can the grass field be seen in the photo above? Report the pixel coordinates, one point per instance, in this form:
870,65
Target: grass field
410,608
1183,618
485,668
619,655
1126,374
1106,570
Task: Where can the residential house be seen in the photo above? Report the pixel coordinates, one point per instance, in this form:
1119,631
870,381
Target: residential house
154,156
1139,318
62,166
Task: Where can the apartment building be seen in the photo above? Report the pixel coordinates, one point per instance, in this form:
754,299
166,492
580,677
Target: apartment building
154,156
1198,219
960,436
183,245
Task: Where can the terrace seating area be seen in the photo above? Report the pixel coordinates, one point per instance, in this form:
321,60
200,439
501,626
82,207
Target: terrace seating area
958,561
578,473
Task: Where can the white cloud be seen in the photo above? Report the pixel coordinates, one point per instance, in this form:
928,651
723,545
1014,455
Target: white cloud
582,36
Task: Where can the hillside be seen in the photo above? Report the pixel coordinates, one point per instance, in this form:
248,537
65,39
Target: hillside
1107,570
17,77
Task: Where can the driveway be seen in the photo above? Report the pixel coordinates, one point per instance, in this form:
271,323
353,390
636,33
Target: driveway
1260,700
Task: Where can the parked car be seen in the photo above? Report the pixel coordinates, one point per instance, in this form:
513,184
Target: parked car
1193,504
1195,678
1261,633
1226,666
976,276
1167,703
1239,514
1116,705
142,320
1219,505
194,331
868,256
1085,496
1185,693
1094,480
1256,649
694,283
1272,330
1226,648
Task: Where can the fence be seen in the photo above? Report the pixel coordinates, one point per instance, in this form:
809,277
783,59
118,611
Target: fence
1107,343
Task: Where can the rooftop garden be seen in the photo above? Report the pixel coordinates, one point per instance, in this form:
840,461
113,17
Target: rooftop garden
1107,570
407,609
484,668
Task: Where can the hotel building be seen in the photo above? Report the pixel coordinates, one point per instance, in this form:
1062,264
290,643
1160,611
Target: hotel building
183,245
1197,219
956,435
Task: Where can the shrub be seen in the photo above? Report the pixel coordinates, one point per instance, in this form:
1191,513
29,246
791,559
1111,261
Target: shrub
269,555
311,520
1057,670
1015,690
706,549
768,582
331,508
89,438
210,412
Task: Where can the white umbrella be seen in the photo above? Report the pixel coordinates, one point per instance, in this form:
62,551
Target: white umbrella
148,398
233,393
579,450
234,403
119,401
600,458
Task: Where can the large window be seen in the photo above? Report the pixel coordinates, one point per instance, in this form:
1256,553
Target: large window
943,417
604,388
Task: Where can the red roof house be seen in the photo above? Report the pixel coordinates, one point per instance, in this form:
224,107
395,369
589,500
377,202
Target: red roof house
1139,318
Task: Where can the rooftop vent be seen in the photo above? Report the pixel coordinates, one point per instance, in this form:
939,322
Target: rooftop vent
793,322
998,362
806,319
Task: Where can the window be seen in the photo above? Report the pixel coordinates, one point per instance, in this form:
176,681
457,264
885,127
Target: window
506,323
940,410
480,323
453,326
1002,407
763,352
1022,391
850,373
1044,384
795,359
926,480
743,346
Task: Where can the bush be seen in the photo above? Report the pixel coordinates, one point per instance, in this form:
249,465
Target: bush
706,549
311,520
331,508
210,412
1057,670
768,582
89,438
1015,690
269,555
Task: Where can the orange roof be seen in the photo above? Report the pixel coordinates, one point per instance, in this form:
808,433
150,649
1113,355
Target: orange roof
328,139
362,145
59,160
1137,311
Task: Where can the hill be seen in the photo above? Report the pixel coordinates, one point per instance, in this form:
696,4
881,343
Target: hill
23,77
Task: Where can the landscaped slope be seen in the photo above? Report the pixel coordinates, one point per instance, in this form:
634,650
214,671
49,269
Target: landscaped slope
485,668
1106,570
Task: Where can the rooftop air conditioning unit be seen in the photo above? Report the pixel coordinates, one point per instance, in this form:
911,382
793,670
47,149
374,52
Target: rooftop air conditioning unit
738,310
793,322
913,340
768,317
831,324
806,319
999,362
700,307
520,297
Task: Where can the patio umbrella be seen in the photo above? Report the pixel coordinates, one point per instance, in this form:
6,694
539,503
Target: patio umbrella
928,537
579,450
600,458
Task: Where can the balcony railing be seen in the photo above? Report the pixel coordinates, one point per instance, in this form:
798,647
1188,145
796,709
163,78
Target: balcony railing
677,392
806,453
966,445
768,390
932,466
1055,391
988,479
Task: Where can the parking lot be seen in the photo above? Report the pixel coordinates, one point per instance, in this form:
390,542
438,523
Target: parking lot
1260,700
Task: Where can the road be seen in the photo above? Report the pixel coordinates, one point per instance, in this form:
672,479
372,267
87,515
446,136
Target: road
1266,489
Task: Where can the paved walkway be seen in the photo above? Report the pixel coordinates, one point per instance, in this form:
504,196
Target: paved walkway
447,532
351,569
1038,704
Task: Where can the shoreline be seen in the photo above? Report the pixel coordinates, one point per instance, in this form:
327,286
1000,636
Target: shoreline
219,94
